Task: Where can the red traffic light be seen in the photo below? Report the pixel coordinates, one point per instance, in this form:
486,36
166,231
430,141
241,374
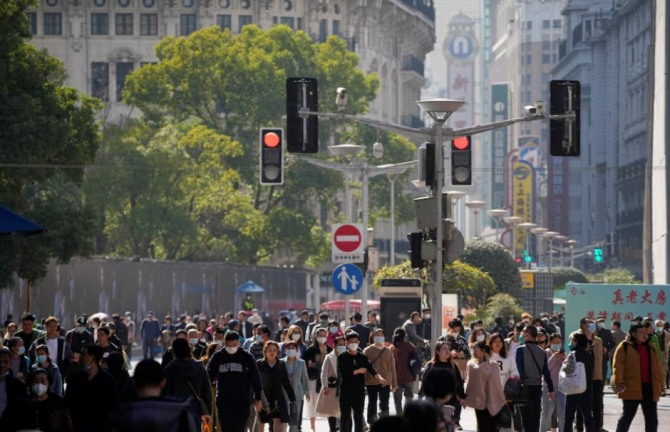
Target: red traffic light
461,143
271,139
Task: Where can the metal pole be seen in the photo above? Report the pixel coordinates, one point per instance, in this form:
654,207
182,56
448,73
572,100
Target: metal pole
392,179
497,230
364,289
514,242
348,218
551,253
572,256
439,184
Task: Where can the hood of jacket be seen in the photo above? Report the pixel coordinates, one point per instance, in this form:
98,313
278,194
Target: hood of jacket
186,367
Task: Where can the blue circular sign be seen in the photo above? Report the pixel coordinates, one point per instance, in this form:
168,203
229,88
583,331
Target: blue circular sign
461,47
347,279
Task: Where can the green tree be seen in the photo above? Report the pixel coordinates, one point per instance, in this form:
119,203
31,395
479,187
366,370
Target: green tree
234,84
500,305
493,259
563,275
48,133
613,276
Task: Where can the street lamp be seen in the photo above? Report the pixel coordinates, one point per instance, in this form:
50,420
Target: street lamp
476,207
497,214
514,221
561,239
439,110
527,226
550,235
571,244
538,240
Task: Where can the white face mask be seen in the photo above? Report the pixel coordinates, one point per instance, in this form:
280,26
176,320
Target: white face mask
321,339
295,337
352,346
333,329
39,389
340,349
231,350
379,339
480,338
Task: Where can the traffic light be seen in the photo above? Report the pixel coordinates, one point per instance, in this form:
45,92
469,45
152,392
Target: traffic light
415,240
302,132
427,163
271,155
526,256
564,97
598,255
461,161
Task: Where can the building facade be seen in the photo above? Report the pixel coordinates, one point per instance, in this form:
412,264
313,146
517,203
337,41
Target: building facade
607,49
102,41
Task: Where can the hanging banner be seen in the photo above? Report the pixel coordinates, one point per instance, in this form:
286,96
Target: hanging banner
523,200
499,111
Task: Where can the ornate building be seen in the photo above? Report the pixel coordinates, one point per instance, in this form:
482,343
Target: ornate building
102,41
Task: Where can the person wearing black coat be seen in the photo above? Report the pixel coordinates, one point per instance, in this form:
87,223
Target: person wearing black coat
187,379
363,332
276,388
583,401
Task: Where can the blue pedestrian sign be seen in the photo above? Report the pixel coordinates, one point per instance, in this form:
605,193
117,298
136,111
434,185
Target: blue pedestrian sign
347,279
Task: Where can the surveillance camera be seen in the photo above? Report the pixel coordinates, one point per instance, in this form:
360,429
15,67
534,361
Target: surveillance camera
530,110
341,99
378,150
539,106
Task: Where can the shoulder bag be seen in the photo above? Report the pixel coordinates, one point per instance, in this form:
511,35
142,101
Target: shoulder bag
572,380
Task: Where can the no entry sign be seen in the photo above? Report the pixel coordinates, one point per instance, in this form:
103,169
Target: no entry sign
348,243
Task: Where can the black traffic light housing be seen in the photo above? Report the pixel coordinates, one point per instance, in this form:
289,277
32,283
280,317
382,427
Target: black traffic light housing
461,161
564,97
271,156
415,240
302,132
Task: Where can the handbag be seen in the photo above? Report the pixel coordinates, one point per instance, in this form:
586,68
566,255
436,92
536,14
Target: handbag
203,407
572,381
513,389
414,364
332,382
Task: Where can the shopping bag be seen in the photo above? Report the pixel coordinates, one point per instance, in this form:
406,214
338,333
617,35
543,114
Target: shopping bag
572,380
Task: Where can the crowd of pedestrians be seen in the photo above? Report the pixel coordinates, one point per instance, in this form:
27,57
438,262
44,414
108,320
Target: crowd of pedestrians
245,374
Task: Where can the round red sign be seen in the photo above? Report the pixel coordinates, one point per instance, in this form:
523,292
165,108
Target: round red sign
347,238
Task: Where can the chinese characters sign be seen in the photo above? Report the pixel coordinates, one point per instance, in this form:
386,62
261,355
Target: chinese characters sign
615,303
499,111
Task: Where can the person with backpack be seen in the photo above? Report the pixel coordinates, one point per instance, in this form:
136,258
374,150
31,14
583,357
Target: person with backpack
408,368
638,378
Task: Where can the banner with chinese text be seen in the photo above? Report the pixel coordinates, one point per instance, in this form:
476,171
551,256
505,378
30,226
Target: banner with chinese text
614,303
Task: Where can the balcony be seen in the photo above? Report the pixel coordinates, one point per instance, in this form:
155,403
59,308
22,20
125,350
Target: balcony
425,7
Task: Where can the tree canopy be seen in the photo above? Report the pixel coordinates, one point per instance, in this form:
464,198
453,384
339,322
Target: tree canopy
48,133
493,259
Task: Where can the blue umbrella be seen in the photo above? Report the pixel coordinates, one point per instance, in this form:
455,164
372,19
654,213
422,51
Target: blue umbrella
250,287
12,223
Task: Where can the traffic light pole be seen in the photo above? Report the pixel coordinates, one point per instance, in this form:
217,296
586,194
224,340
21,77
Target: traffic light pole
436,316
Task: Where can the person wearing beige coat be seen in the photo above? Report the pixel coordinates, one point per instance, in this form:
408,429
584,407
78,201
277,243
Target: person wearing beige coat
483,388
383,360
328,404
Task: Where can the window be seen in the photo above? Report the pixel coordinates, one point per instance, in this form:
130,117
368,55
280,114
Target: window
529,59
122,70
323,30
529,79
289,21
557,24
148,24
244,20
529,25
224,21
187,24
100,80
99,24
32,19
546,24
299,23
336,27
124,24
546,45
546,58
53,23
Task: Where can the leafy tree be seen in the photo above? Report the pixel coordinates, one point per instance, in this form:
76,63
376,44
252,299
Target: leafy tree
232,85
563,275
48,133
502,305
493,259
614,276
473,285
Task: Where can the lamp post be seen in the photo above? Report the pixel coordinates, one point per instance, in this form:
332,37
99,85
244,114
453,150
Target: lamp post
476,207
439,110
538,241
571,244
527,226
497,214
550,235
514,221
561,239
365,171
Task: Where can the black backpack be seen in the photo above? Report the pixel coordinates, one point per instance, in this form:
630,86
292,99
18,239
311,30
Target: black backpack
414,363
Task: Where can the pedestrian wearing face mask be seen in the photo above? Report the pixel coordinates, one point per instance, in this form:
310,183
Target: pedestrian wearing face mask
334,331
51,412
595,349
352,367
294,334
314,358
261,337
297,376
235,373
198,347
20,363
43,361
77,339
477,335
382,359
328,404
